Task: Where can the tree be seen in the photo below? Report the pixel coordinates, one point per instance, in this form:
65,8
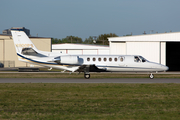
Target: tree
103,38
89,40
68,39
55,41
73,39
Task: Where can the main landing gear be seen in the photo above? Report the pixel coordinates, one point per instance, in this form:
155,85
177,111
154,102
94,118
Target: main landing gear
151,76
86,72
87,76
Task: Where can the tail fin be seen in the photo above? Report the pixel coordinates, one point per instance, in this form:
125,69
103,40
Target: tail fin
21,40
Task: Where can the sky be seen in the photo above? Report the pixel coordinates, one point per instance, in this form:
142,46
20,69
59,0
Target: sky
84,18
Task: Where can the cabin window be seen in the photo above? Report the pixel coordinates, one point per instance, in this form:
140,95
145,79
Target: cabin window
115,59
121,59
88,59
110,59
136,59
99,59
94,59
105,59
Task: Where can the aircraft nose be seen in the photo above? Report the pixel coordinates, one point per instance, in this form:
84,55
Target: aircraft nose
165,68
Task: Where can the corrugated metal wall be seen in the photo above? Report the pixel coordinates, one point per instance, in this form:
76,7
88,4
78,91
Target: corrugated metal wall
8,52
83,52
118,48
149,50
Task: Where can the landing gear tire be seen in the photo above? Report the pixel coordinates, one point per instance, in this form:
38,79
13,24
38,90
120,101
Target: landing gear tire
151,76
87,76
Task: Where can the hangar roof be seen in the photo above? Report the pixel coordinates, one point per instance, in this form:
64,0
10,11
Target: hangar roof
166,37
78,46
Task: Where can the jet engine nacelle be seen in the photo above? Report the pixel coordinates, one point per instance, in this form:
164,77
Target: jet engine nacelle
69,59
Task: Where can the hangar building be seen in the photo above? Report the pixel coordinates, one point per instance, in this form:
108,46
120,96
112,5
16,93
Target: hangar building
8,55
161,48
81,49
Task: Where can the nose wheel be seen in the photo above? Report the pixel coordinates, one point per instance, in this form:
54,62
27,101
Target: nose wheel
151,76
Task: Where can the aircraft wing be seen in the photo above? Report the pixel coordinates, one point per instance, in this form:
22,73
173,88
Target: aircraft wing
90,68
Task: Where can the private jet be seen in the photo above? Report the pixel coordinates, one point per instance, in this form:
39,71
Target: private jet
27,52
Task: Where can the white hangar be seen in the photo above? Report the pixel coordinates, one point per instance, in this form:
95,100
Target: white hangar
162,48
80,49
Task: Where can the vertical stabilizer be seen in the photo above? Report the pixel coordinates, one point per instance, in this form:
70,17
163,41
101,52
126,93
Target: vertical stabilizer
21,40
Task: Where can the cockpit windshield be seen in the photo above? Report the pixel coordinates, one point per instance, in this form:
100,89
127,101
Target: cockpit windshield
139,59
143,59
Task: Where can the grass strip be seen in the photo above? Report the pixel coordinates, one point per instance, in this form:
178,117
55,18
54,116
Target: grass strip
76,75
105,101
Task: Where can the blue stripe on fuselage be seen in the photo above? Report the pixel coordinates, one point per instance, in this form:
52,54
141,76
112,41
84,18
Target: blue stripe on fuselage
36,61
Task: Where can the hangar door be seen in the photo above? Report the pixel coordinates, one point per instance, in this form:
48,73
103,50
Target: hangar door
173,56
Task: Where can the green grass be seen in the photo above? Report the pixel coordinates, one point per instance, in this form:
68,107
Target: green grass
48,101
76,75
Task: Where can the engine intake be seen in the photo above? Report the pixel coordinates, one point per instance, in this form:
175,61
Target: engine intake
69,59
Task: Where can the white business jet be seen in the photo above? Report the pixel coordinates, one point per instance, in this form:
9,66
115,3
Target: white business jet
27,52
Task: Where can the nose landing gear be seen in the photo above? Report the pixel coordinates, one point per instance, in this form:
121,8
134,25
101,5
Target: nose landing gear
151,76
